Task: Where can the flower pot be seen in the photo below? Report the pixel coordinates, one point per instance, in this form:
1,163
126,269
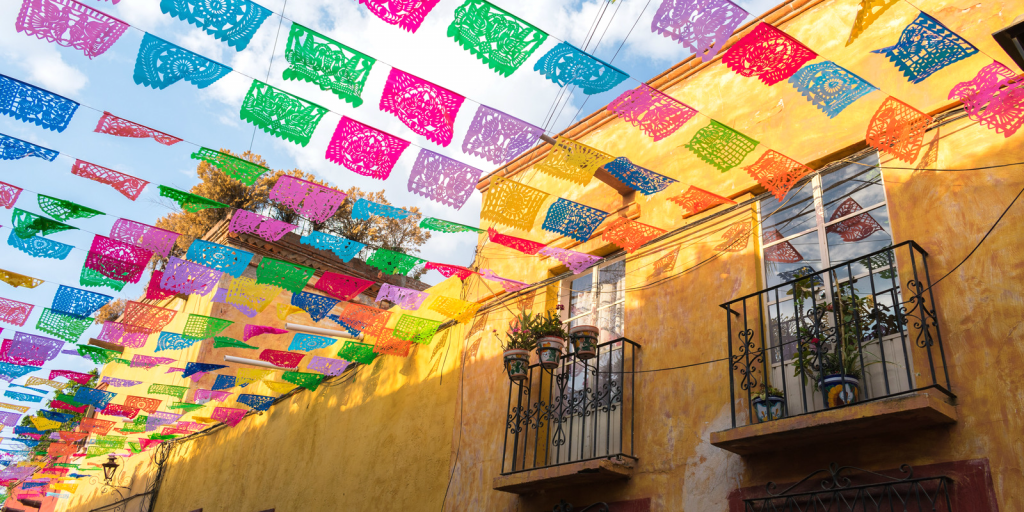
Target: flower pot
584,340
841,390
517,364
767,409
549,350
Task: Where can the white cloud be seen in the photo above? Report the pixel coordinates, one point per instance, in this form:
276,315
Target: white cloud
40,61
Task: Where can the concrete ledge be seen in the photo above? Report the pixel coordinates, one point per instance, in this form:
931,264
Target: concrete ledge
880,417
579,473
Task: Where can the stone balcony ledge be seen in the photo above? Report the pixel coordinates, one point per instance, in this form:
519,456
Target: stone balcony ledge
577,473
879,417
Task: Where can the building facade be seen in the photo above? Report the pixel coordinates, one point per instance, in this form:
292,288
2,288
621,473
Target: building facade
880,298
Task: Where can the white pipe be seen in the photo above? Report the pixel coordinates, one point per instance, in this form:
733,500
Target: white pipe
321,331
255,362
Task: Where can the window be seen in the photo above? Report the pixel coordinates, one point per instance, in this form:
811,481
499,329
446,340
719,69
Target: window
598,298
832,221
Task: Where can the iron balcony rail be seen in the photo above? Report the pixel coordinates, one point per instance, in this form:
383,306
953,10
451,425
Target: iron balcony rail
850,489
859,331
581,410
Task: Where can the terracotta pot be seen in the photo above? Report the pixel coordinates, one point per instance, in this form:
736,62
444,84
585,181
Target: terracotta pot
767,409
549,351
841,390
517,364
584,340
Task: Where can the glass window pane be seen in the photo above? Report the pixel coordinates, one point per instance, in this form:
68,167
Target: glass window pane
793,215
856,186
855,237
612,283
792,259
610,321
581,299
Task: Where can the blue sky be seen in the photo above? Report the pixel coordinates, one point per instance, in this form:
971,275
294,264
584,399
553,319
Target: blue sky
209,117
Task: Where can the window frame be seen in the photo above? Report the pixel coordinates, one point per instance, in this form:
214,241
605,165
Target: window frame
565,294
821,224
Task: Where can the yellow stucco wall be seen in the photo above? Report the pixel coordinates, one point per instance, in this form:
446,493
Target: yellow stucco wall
388,438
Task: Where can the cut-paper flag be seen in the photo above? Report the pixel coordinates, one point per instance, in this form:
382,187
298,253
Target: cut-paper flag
266,228
702,26
189,202
238,168
343,248
572,219
768,54
696,200
897,129
120,127
320,60
442,179
70,24
364,208
364,150
231,21
572,161
392,262
406,14
498,137
406,298
656,114
629,234
160,64
317,306
427,109
721,146
926,46
315,202
829,87
777,173
127,185
188,278
512,204
281,114
226,259
567,65
497,38
12,148
30,104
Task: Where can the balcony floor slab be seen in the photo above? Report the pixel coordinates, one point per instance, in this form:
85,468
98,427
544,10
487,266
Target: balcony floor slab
879,417
578,473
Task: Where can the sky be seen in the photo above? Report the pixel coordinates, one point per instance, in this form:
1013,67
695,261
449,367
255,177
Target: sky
210,117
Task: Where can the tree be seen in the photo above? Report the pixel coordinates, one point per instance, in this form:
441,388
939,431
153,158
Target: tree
377,232
111,311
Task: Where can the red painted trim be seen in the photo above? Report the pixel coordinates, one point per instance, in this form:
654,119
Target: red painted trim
972,490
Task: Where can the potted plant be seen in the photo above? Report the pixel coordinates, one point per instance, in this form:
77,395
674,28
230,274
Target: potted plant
520,341
835,366
768,404
551,334
584,340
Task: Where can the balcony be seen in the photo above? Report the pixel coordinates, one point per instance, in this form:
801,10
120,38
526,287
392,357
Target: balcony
572,424
854,349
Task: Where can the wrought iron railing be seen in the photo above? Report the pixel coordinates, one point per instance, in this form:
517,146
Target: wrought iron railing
849,489
863,330
581,410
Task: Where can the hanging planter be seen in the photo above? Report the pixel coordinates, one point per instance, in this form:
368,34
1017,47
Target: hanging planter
520,340
549,351
551,336
517,363
584,340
